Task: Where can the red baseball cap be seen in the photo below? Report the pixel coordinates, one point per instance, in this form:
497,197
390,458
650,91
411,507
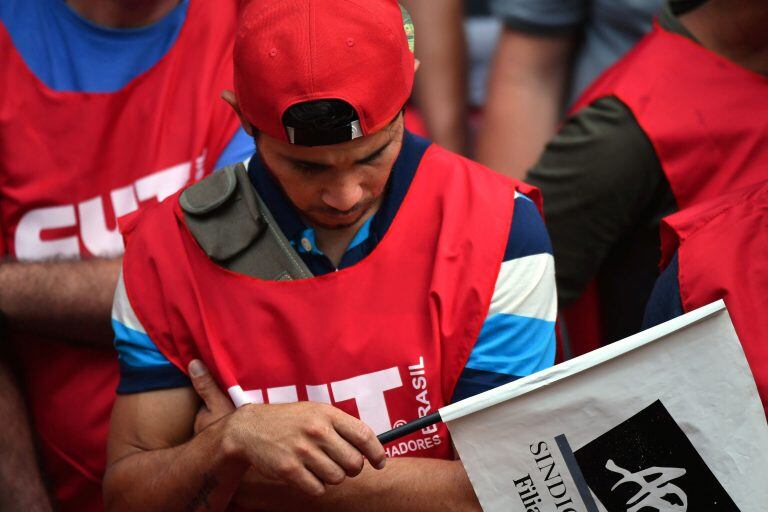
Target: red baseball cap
293,51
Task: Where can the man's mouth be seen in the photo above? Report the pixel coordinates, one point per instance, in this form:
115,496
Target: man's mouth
336,219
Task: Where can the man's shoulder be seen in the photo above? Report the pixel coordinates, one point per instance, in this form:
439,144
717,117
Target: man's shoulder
212,192
527,234
201,198
145,230
475,176
439,154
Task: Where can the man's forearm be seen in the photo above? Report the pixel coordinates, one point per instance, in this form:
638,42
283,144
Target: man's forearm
197,475
406,484
62,298
440,86
21,488
525,100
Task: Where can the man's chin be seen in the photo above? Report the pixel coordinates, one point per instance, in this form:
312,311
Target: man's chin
329,221
334,225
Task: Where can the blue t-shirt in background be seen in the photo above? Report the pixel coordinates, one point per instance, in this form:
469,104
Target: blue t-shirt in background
68,53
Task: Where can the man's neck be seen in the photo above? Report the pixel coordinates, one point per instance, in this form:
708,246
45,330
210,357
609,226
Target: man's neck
122,13
334,242
735,29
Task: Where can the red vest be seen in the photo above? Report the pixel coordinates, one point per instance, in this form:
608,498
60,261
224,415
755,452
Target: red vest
723,254
705,116
385,339
70,163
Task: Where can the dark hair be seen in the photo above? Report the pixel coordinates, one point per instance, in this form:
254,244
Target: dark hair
320,122
320,115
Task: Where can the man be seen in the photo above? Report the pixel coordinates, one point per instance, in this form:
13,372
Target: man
348,263
677,121
548,53
717,250
104,107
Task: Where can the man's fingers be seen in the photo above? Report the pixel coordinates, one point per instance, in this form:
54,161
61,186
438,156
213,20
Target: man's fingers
360,435
344,454
294,473
207,389
322,466
284,465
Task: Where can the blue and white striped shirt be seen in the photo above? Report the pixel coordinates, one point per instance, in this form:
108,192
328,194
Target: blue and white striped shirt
517,338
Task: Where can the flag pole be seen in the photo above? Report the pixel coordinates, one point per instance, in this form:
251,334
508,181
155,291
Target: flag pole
410,428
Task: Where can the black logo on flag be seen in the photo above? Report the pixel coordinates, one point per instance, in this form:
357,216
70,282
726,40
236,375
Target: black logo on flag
647,464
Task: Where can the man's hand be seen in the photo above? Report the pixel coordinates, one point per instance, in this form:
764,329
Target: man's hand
216,404
307,445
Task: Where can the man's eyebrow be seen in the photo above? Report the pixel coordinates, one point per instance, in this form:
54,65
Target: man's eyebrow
319,165
376,153
307,163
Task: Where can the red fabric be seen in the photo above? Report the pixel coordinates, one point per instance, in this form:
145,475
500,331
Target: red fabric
704,115
69,164
376,320
722,253
291,52
414,122
582,321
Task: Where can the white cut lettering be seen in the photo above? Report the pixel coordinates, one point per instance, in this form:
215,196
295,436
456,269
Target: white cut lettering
29,242
163,184
368,392
282,395
319,394
97,238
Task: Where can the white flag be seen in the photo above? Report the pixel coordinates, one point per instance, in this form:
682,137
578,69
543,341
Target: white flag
666,420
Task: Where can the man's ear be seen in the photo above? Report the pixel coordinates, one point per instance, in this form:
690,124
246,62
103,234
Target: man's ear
416,64
229,97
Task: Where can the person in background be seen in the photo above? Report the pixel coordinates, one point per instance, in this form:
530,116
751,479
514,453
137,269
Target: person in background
482,31
440,89
680,120
104,107
549,52
719,250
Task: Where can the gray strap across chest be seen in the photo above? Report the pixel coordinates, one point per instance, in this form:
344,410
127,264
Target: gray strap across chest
236,230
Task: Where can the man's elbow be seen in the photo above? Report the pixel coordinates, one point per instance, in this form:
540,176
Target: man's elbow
115,489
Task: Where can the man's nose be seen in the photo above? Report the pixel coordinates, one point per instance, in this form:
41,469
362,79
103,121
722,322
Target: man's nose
343,195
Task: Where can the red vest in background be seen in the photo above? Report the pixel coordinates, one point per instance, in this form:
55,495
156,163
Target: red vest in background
70,163
706,117
723,254
385,339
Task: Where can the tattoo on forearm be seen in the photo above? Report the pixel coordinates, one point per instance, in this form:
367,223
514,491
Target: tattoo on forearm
200,501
